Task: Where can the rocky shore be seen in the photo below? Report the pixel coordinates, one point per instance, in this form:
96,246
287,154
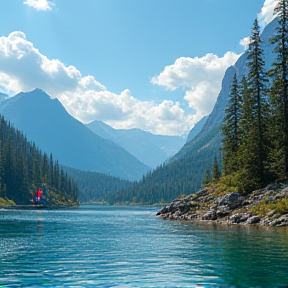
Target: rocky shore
264,207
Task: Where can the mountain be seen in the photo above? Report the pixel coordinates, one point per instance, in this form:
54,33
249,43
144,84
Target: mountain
210,135
3,96
184,172
48,124
150,149
196,129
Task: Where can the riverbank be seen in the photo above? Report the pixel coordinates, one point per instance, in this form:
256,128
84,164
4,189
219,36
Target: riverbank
4,202
264,207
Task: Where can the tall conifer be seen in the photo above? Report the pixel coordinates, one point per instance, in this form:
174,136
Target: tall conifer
216,173
279,91
254,146
230,128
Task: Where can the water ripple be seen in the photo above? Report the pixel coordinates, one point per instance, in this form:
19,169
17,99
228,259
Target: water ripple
96,246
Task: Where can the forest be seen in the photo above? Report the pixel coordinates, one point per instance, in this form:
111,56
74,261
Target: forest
95,187
254,138
24,168
255,128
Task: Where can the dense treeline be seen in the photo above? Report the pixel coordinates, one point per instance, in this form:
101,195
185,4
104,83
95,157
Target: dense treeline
168,181
255,150
23,168
255,132
96,187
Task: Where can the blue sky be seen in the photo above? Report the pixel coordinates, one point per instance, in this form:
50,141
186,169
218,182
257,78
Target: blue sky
154,65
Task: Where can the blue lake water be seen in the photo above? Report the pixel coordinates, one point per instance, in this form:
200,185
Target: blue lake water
106,246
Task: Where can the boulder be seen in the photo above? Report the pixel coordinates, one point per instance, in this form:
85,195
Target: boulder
210,215
163,211
240,218
222,211
253,220
201,193
232,200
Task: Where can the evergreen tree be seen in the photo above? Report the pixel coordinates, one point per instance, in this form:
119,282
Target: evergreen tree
207,178
23,168
279,92
230,128
253,152
216,173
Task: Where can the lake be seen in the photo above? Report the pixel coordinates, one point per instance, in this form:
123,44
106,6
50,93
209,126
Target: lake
111,246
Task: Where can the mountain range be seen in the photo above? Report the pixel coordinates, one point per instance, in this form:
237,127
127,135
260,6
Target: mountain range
54,130
150,149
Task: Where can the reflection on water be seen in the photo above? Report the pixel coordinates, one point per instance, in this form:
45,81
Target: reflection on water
107,246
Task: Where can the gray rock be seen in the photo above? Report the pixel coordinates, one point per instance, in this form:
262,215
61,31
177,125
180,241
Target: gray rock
232,200
209,215
193,204
265,221
235,218
201,193
222,211
273,186
163,211
244,217
253,220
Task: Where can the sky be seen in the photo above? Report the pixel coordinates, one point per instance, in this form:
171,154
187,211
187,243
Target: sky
153,65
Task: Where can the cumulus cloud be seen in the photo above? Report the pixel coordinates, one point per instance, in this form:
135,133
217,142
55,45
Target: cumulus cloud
200,77
24,68
39,5
267,12
245,42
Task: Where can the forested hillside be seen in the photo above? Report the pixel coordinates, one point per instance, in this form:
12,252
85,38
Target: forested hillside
169,181
185,171
256,123
96,187
24,168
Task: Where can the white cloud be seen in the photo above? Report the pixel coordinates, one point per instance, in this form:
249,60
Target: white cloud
24,68
267,12
200,77
39,5
245,42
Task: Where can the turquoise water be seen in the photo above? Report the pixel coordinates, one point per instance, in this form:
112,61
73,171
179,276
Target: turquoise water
103,246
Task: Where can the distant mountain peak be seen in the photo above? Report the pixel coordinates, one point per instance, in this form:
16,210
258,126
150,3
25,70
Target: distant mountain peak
150,149
46,122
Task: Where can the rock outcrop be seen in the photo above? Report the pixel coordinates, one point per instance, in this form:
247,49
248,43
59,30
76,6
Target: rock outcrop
261,207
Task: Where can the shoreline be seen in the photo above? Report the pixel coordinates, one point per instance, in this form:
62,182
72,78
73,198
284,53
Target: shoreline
266,207
32,207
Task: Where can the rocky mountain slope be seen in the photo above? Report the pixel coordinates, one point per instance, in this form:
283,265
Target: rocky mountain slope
196,129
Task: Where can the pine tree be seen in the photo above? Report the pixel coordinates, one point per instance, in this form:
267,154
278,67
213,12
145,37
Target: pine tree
207,178
230,128
279,92
253,152
216,173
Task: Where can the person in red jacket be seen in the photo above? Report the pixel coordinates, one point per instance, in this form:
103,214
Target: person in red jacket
38,194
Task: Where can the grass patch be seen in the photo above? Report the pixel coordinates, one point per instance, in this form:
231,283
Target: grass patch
4,202
279,207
